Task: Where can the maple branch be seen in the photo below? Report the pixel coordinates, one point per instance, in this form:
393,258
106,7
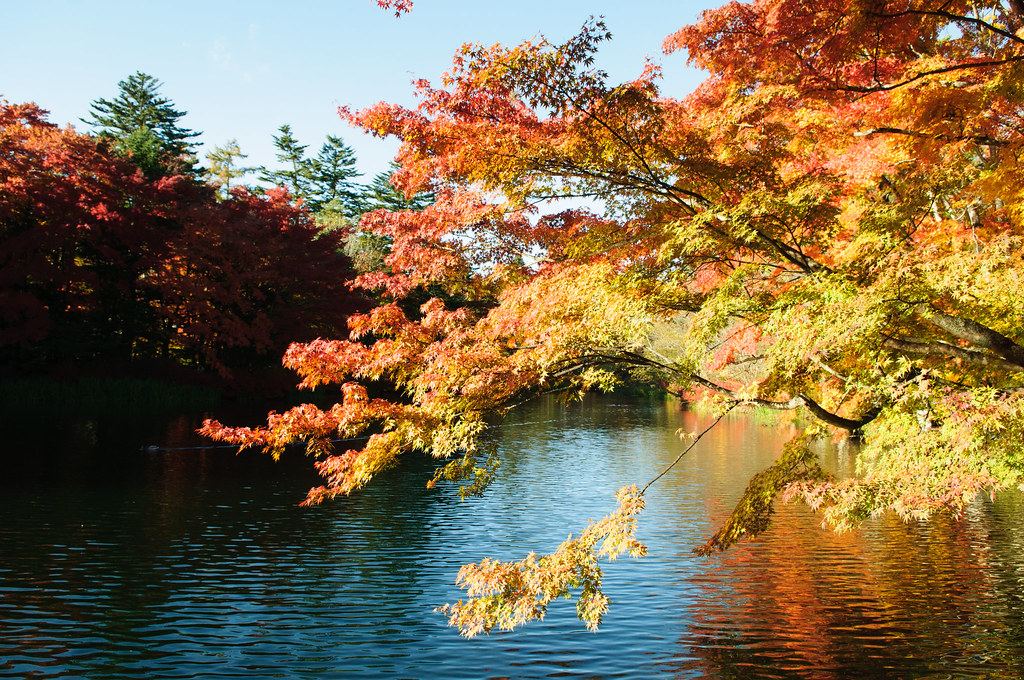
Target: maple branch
978,139
666,189
828,369
657,181
1017,6
509,405
816,409
685,451
974,333
910,346
827,416
799,400
621,179
542,198
793,255
924,74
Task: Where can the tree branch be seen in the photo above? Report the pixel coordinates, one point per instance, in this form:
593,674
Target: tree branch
816,409
974,333
866,90
939,348
1016,5
977,139
624,356
685,451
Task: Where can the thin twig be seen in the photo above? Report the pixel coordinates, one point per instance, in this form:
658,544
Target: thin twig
687,449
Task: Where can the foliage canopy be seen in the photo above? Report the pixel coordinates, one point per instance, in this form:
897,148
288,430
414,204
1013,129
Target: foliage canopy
101,263
830,223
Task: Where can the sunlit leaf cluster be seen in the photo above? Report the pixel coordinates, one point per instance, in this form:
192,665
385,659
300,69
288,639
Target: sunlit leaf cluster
505,595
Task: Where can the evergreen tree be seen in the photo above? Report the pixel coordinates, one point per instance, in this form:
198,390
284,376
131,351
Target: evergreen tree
332,187
382,193
326,182
298,170
143,125
367,250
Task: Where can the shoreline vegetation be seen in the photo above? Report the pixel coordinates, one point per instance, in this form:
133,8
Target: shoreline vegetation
829,227
137,281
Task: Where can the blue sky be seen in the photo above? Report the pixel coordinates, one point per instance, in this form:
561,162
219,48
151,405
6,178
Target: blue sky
241,69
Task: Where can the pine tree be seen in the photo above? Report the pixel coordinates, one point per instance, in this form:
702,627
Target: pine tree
367,250
143,125
332,185
381,193
298,169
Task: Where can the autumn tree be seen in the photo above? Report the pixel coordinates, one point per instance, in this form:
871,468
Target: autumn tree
224,166
143,125
100,263
830,224
66,276
245,276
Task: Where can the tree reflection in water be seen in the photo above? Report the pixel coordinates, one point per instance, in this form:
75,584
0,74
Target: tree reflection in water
116,562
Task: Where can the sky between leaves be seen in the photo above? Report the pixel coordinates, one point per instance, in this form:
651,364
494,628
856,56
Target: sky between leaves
243,69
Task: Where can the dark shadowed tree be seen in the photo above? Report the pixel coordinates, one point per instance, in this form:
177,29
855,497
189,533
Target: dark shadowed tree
99,264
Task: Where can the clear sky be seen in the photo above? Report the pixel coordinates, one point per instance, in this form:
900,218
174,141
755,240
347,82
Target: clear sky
241,69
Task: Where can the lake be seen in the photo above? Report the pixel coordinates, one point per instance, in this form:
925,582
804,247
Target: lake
117,562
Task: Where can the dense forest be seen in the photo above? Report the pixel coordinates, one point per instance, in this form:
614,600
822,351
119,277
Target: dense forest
120,253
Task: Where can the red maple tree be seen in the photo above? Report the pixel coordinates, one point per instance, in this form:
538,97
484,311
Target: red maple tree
100,263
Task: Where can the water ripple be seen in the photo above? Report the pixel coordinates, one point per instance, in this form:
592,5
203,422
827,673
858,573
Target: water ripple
199,564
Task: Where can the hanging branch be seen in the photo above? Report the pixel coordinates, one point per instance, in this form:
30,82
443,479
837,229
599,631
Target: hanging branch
688,448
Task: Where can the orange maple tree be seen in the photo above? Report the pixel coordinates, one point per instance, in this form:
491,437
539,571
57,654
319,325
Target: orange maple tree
830,223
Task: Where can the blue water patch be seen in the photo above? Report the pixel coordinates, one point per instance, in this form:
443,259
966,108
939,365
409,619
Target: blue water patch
200,564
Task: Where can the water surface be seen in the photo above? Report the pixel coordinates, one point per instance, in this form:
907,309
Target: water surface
119,563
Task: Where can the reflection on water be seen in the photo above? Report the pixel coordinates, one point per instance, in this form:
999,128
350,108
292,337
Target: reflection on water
119,563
